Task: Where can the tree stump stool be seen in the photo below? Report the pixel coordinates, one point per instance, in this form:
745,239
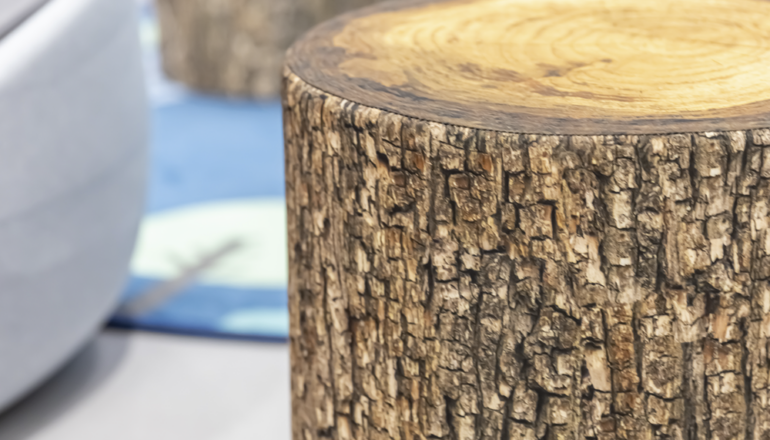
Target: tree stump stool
236,47
531,219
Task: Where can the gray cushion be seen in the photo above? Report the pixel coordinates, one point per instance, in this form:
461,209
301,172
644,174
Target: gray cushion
73,126
13,12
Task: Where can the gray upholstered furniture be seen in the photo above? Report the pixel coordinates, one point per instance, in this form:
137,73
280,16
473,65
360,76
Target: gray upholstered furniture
72,153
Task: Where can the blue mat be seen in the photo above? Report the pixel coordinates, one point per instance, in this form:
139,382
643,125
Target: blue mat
211,257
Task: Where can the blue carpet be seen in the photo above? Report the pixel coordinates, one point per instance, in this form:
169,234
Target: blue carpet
206,148
210,310
210,258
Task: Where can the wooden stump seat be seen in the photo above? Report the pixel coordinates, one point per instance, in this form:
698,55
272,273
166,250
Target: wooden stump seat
236,47
531,219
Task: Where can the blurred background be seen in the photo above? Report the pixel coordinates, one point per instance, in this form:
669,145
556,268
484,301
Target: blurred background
142,218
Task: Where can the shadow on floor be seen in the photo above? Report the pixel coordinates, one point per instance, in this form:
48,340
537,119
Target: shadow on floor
51,400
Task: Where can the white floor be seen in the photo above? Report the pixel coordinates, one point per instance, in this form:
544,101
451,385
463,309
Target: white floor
148,386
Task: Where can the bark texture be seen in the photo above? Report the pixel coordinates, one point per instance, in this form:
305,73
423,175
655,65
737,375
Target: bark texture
454,283
236,47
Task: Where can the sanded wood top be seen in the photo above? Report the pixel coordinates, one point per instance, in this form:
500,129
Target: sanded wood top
551,66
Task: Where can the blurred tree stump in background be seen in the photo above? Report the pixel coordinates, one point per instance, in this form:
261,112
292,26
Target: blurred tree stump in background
531,220
236,47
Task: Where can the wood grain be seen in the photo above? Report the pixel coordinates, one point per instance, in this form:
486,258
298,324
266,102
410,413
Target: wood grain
531,220
552,66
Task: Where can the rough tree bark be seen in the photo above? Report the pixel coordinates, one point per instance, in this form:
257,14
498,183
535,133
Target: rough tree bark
236,47
519,277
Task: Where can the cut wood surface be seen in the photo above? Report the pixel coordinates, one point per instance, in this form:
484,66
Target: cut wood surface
495,234
555,67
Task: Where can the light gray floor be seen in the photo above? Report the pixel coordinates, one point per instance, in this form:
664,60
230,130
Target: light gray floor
147,386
